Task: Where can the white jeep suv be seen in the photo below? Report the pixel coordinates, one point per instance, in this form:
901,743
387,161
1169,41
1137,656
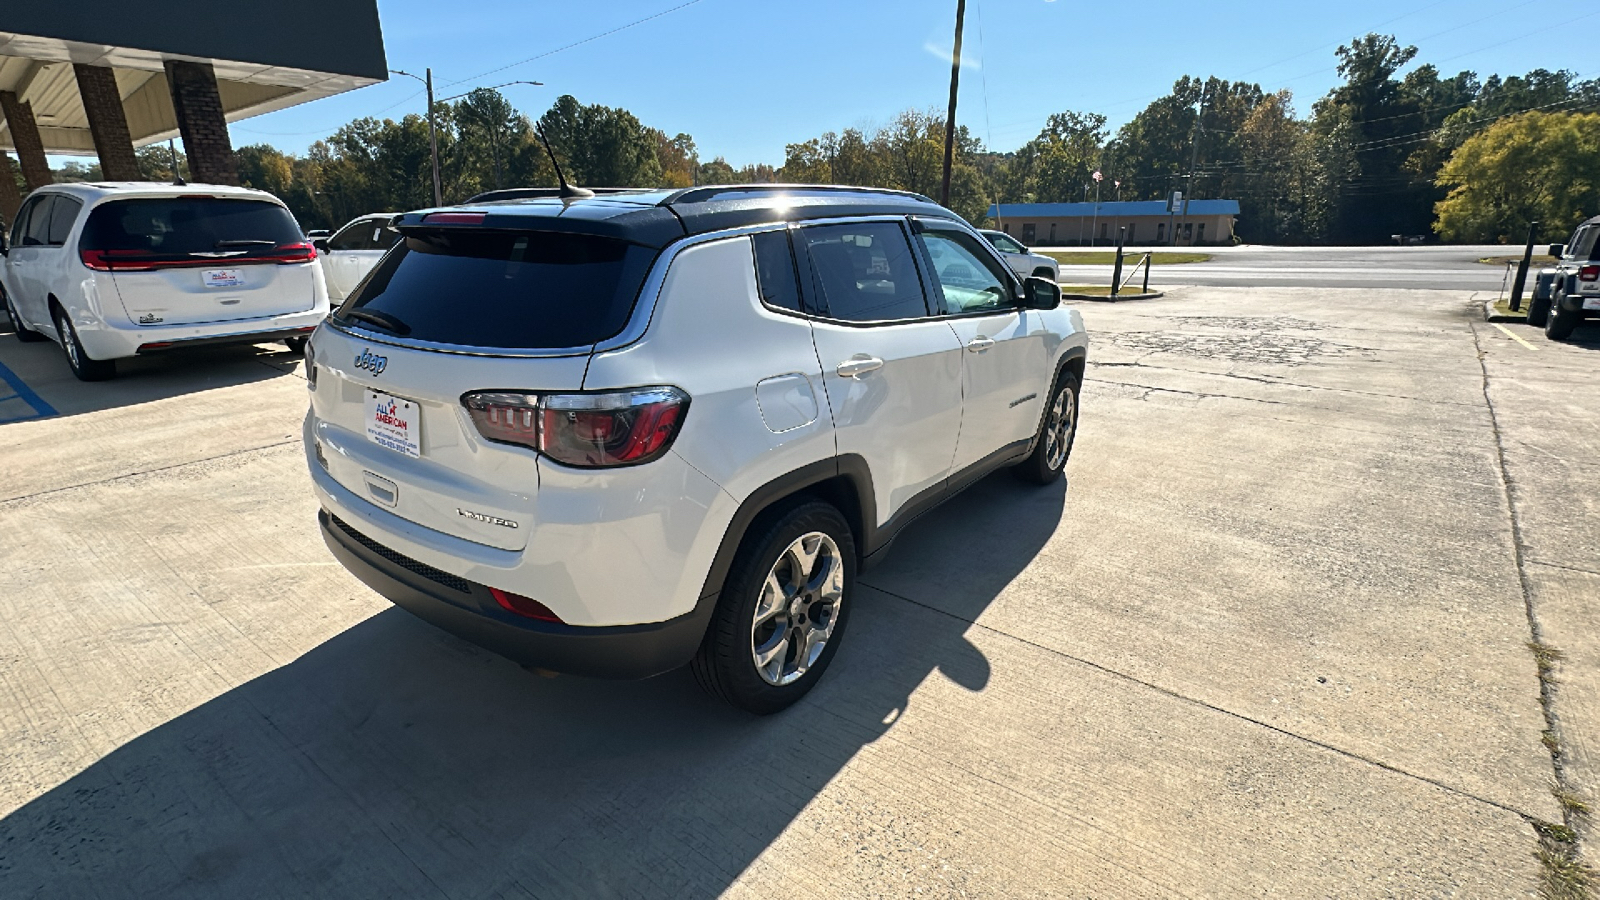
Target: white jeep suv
117,269
614,435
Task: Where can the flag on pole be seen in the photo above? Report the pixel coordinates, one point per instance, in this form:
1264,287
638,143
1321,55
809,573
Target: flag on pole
1117,183
1098,176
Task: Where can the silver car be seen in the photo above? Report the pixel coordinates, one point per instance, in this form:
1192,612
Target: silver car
1022,260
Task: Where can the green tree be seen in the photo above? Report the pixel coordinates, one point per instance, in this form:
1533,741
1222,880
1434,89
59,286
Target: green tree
1535,166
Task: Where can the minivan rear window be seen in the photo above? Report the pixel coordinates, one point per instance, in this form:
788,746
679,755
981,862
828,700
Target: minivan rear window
189,226
526,290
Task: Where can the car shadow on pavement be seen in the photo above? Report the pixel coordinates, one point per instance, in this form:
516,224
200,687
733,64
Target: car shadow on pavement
394,760
50,389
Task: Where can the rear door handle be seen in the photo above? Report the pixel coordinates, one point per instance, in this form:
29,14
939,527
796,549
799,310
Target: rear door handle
979,344
858,365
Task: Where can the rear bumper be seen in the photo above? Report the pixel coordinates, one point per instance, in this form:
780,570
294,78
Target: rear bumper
106,340
467,611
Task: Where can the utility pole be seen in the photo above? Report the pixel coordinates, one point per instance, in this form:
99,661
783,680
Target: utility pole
1194,154
433,134
433,144
950,120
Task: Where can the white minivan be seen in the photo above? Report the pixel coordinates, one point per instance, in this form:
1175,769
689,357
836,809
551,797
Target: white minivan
112,270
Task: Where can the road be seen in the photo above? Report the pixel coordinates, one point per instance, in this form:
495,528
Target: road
1270,638
1424,267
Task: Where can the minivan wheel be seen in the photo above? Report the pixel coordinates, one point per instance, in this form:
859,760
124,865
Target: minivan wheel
24,333
296,345
1058,427
783,610
83,366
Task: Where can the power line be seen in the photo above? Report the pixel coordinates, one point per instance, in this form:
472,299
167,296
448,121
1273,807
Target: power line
586,40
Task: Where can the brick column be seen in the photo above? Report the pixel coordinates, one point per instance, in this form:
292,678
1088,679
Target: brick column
108,124
10,197
201,122
25,136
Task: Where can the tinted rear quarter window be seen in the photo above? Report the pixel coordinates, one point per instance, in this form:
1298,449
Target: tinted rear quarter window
63,212
183,226
775,271
527,290
37,231
865,272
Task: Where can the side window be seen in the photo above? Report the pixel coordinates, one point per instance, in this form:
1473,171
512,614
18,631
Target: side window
62,214
1007,245
355,236
775,271
967,279
1583,243
38,231
20,226
864,271
383,237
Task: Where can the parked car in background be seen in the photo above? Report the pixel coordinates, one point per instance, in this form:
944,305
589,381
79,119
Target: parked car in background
351,252
112,270
1023,261
615,435
1569,292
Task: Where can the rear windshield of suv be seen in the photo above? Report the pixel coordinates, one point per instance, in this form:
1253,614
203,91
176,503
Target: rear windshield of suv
526,290
189,226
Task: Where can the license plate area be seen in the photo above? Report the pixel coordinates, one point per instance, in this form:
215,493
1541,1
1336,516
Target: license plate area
222,278
394,423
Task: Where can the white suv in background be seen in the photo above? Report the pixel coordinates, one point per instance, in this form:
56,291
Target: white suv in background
350,253
615,435
1023,261
111,270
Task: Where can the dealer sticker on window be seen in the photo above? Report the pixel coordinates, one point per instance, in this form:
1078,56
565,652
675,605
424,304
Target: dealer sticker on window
393,423
222,278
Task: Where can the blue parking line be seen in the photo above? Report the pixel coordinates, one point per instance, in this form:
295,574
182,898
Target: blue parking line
26,393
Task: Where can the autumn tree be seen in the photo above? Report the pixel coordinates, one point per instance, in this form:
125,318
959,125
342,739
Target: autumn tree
1535,166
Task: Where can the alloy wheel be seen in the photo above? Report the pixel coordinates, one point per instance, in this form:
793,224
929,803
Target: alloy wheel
798,608
1060,428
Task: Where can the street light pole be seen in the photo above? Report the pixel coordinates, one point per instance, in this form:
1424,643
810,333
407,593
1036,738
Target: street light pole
433,134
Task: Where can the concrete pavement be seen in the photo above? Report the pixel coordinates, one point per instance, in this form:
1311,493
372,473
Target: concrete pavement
1269,640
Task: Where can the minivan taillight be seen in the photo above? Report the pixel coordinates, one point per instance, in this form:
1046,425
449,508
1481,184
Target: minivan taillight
145,261
1589,273
617,428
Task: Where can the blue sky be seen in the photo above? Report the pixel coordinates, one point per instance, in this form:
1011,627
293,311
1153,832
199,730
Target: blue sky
745,77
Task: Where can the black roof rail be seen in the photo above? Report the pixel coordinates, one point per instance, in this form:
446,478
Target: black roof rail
535,193
708,192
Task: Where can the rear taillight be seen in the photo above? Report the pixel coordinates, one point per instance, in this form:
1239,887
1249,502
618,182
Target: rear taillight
145,261
1589,273
523,606
618,428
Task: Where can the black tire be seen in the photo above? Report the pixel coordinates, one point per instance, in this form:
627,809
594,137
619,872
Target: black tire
83,365
1041,467
1559,324
24,333
1538,311
296,345
726,663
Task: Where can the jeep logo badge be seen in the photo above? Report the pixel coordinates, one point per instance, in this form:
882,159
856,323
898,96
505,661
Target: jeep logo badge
375,363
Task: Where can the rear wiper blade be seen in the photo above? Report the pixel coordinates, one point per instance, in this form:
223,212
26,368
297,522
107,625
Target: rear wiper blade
246,243
381,319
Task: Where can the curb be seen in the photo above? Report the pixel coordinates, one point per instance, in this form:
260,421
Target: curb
1489,315
1150,296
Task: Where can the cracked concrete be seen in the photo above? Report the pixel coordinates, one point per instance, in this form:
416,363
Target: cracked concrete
1269,640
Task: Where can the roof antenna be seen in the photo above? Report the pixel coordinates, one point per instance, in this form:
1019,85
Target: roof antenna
568,192
173,149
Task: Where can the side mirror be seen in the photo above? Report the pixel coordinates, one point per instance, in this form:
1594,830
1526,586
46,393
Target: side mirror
1040,293
1555,250
321,244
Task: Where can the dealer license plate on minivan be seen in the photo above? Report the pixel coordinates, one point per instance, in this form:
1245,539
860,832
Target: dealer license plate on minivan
222,278
394,423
